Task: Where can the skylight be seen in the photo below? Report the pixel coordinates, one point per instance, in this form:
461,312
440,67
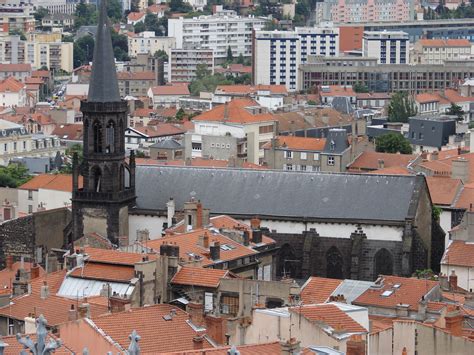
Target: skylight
387,293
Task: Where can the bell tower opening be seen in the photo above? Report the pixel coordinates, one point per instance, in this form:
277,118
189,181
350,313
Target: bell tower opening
97,137
110,137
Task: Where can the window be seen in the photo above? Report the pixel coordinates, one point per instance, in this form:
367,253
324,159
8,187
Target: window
197,146
303,167
288,167
218,145
229,305
30,208
288,154
30,194
316,168
303,155
228,146
331,160
316,156
265,129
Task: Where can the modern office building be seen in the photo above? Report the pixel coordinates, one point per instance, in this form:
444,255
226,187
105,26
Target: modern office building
388,47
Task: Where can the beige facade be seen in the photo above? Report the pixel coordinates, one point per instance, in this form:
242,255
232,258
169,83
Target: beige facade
439,51
147,42
183,63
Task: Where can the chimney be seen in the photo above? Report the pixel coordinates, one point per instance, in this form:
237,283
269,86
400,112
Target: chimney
226,111
402,310
198,342
171,207
119,304
459,150
196,313
355,345
460,169
9,262
205,241
84,310
246,238
199,215
381,164
290,347
188,162
35,271
255,223
72,315
454,320
453,281
44,293
215,251
256,236
434,155
422,306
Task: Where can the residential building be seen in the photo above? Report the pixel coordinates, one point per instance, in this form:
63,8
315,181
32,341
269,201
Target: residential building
236,129
328,93
135,83
53,55
198,4
308,154
287,50
169,149
16,17
12,93
388,47
374,161
167,95
270,96
438,51
440,103
57,6
352,11
375,100
18,71
381,77
148,43
236,70
135,17
431,132
140,137
59,20
216,32
183,64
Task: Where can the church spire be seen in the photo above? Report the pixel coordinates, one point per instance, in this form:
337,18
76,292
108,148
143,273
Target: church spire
103,86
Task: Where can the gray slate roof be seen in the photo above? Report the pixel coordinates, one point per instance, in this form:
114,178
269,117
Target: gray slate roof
279,193
103,85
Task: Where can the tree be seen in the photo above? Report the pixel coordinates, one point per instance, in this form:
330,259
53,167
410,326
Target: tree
17,32
76,148
83,51
202,71
120,45
67,38
206,82
393,143
230,55
114,10
400,108
241,59
161,54
180,6
40,13
13,175
152,24
180,114
139,27
456,110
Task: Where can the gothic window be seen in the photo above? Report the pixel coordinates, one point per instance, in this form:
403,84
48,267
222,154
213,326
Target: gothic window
287,263
110,138
383,263
121,132
97,137
334,264
96,178
122,177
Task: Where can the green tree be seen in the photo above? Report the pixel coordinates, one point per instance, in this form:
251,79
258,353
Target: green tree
457,111
230,55
161,54
120,45
139,27
393,143
152,24
244,79
17,32
180,6
76,148
151,2
401,108
13,175
40,13
67,38
241,59
83,51
85,14
202,71
114,10
207,83
180,114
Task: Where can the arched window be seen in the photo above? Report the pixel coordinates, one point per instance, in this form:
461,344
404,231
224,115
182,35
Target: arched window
287,263
96,178
383,261
334,264
121,133
110,137
97,137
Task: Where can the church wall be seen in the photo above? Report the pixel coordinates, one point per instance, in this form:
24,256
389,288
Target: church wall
123,222
95,220
423,222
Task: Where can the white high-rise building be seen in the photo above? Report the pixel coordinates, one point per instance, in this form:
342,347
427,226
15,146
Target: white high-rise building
277,54
389,47
217,32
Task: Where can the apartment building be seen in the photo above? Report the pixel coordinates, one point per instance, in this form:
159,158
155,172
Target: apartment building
136,83
63,21
53,55
389,47
183,63
216,32
12,93
147,43
357,11
16,17
286,50
382,77
18,71
57,6
438,51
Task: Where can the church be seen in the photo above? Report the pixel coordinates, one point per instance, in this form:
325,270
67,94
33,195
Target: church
331,225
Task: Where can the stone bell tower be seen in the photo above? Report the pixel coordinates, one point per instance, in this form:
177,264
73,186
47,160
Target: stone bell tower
101,204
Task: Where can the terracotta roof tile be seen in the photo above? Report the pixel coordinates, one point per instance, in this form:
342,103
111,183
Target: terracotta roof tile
250,89
370,161
118,257
465,199
10,84
443,166
58,182
70,131
254,349
298,143
331,315
394,170
426,97
136,16
106,272
235,112
338,90
380,323
15,348
318,289
8,275
175,89
443,190
53,280
143,112
199,276
157,334
160,130
311,118
15,67
445,42
200,162
54,308
459,253
409,292
139,75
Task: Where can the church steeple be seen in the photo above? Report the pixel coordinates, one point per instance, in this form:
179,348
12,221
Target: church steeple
108,189
103,86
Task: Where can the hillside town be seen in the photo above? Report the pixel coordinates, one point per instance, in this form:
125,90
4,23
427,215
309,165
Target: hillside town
230,177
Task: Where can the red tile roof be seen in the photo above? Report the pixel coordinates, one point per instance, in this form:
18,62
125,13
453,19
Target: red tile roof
139,75
254,349
15,67
54,308
198,276
426,97
394,170
10,84
157,334
338,90
235,112
459,253
445,43
53,280
370,161
118,257
8,275
15,348
331,315
159,130
298,143
250,89
201,162
409,292
174,89
143,112
70,131
106,272
380,323
58,182
318,289
155,8
443,190
136,16
466,198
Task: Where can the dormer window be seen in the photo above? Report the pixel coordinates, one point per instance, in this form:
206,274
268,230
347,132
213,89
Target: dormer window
332,145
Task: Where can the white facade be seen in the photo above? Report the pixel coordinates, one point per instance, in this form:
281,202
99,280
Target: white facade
278,54
389,47
216,32
13,98
197,4
57,6
465,275
147,42
30,200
